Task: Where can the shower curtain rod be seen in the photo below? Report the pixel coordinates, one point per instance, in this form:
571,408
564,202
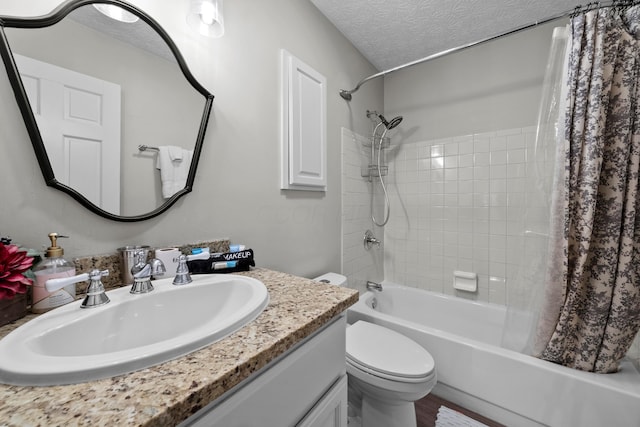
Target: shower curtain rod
346,94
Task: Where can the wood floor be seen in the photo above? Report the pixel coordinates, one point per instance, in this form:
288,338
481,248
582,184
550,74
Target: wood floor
427,411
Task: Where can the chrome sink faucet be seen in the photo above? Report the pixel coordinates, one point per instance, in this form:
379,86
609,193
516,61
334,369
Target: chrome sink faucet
142,272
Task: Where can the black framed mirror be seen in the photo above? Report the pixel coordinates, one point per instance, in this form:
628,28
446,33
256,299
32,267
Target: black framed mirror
91,91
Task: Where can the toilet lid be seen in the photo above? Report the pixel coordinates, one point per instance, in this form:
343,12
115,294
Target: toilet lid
388,352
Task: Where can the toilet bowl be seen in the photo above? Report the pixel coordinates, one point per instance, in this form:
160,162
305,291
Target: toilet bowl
387,372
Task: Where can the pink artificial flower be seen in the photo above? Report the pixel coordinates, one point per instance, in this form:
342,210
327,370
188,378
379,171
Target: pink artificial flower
13,263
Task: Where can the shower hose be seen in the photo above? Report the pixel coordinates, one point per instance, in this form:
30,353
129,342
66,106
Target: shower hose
382,184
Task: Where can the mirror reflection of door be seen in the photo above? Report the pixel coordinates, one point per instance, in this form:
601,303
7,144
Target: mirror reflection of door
161,104
79,119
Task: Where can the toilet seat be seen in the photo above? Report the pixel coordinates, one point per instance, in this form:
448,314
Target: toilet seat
387,354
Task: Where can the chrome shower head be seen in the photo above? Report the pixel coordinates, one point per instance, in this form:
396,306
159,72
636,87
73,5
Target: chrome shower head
345,94
391,124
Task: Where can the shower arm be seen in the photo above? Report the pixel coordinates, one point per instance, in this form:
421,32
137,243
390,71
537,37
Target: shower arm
346,94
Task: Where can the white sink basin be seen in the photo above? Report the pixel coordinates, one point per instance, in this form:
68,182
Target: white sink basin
73,345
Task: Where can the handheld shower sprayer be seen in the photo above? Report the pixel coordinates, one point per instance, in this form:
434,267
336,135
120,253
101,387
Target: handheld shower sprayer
393,123
388,125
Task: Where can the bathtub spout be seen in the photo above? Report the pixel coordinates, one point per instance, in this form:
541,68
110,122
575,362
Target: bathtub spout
373,286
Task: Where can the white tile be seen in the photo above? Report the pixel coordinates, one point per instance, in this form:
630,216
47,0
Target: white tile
451,149
465,147
498,157
517,155
451,162
507,132
481,226
465,173
465,186
465,160
451,200
497,269
517,185
481,185
516,170
481,172
451,174
465,200
437,199
424,164
465,225
516,141
481,145
498,171
450,251
498,213
450,187
481,200
498,143
498,199
498,185
480,254
482,159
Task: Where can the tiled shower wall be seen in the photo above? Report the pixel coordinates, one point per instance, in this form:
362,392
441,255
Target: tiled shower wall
358,264
456,205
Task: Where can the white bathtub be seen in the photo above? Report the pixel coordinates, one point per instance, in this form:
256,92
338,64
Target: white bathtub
509,387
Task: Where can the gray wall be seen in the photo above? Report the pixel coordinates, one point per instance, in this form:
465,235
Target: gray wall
496,85
236,192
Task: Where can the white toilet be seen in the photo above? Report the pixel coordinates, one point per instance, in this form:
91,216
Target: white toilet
387,372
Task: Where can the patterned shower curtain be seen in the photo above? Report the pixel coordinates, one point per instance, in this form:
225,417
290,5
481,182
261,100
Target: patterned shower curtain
598,312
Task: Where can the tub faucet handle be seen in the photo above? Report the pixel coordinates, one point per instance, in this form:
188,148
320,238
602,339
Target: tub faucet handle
370,239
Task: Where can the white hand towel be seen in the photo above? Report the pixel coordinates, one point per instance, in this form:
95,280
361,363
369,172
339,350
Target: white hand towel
173,173
175,153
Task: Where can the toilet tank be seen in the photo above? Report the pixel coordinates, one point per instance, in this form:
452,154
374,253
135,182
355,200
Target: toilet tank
333,279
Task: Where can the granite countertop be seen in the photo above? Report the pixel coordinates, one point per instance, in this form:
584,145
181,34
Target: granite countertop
168,393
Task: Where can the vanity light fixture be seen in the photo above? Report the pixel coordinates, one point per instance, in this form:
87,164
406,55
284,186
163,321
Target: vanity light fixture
205,16
115,12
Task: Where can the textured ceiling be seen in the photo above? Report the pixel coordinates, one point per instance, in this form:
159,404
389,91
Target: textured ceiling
139,34
394,32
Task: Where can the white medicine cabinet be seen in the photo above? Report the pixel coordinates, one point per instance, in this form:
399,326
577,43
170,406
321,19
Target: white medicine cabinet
304,123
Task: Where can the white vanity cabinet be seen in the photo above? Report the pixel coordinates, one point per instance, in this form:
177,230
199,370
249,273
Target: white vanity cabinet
306,387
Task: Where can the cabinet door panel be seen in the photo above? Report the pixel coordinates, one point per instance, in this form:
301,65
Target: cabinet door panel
331,410
285,391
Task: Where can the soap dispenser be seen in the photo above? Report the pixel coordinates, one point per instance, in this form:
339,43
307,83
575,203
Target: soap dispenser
53,266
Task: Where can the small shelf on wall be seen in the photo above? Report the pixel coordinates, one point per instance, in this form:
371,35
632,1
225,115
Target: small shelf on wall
304,123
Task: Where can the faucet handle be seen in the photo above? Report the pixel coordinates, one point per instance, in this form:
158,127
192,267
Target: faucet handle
53,285
370,239
96,295
182,272
95,291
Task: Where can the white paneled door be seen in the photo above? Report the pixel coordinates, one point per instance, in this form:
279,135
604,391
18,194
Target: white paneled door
79,120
